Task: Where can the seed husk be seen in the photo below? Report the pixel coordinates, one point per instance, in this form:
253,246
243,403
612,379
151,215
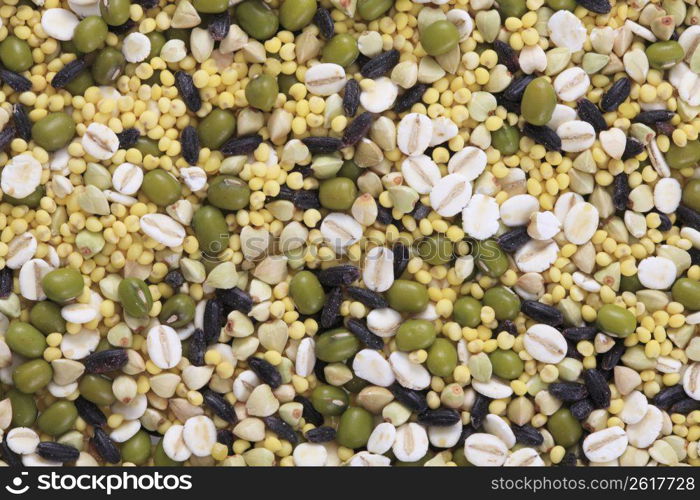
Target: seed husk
543,135
359,329
568,392
220,25
22,123
222,408
597,386
371,299
323,434
90,412
190,144
198,347
68,73
415,400
324,23
128,138
597,6
380,64
17,82
105,447
330,314
506,56
106,361
266,371
410,97
589,112
351,97
281,428
323,144
188,92
616,95
343,274
542,313
357,129
57,452
527,435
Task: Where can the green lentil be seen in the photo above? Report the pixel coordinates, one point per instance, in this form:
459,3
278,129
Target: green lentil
62,285
565,429
407,296
336,345
54,131
228,192
211,230
96,389
338,193
257,19
58,418
15,54
329,400
32,376
90,34
354,427
504,302
616,320
415,334
307,293
161,187
296,14
216,128
26,340
442,358
261,92
135,297
341,49
506,364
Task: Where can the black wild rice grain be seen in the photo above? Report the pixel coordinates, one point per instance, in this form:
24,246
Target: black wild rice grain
420,211
612,357
198,347
351,98
597,387
568,391
243,145
542,313
479,410
359,329
514,239
105,361
569,460
668,396
685,406
516,89
120,29
582,408
324,23
380,64
597,6
57,452
266,371
323,144
235,299
578,333
357,129
22,122
410,97
68,73
510,106
343,274
527,435
281,428
175,279
371,299
213,320
589,112
330,314
128,138
665,222
508,326
146,4
190,144
616,95
218,404
653,116
384,215
632,148
225,437
442,417
90,412
323,434
688,216
105,447
219,25
15,81
621,191
506,55
401,257
6,282
10,457
543,135
188,92
467,431
414,400
6,135
310,414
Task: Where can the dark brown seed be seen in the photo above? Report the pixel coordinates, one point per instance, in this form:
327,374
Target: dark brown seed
688,217
467,431
621,191
6,282
188,92
668,396
351,97
384,215
128,138
507,326
302,198
22,122
323,144
190,144
68,73
442,417
371,299
380,64
105,447
219,26
410,97
324,23
510,106
420,212
90,412
57,452
10,457
543,135
198,347
569,460
632,148
513,239
244,145
357,129
527,435
330,314
310,414
516,89
616,95
359,329
402,255
597,6
120,29
235,299
506,55
612,357
146,4
266,371
479,410
665,223
15,81
323,434
685,406
213,320
105,361
578,333
414,400
572,351
581,409
653,116
542,313
218,404
597,387
281,428
175,279
343,274
589,112
225,436
664,128
568,391
6,135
